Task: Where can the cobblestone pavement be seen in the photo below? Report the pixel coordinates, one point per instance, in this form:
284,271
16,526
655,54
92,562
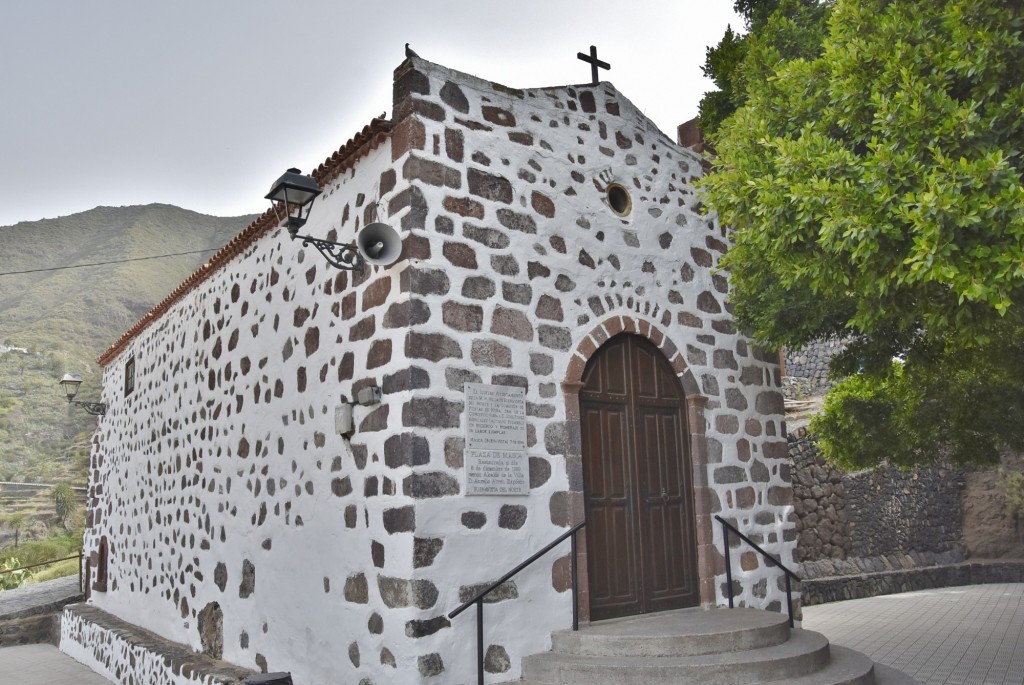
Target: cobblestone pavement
19,599
969,635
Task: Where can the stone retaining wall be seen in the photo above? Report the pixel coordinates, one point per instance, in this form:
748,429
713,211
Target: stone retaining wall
30,630
838,588
874,513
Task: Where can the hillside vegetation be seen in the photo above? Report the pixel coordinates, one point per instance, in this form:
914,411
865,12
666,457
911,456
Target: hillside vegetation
54,321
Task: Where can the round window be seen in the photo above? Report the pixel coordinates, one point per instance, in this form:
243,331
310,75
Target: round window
619,199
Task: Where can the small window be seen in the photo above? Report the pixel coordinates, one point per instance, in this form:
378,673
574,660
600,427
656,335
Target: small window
619,199
129,376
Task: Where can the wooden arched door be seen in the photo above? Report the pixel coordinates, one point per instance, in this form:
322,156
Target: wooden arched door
641,537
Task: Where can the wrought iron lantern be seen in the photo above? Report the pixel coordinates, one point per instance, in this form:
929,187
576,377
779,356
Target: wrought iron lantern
292,198
70,383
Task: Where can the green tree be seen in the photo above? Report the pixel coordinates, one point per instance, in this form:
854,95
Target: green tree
776,31
63,502
16,521
874,194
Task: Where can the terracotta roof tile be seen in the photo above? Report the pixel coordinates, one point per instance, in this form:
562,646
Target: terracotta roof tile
360,145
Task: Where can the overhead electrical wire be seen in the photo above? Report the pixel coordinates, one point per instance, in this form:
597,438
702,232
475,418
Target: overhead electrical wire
114,261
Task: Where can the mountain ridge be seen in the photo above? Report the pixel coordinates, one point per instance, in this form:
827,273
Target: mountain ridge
69,307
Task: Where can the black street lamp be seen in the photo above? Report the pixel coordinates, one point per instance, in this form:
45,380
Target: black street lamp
70,383
292,198
293,194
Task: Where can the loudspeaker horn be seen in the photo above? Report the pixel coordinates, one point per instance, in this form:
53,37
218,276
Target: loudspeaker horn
379,244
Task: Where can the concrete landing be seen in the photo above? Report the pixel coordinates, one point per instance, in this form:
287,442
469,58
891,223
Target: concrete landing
970,635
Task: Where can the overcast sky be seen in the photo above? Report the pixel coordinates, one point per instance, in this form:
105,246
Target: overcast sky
204,103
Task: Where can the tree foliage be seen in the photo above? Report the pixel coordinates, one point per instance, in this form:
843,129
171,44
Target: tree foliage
776,31
874,194
63,502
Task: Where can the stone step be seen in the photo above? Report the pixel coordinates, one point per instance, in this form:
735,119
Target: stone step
804,654
684,632
845,667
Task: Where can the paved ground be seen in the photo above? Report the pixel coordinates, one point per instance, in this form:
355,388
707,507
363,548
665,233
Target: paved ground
43,665
971,635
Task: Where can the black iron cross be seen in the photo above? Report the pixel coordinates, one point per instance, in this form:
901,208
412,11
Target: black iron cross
594,63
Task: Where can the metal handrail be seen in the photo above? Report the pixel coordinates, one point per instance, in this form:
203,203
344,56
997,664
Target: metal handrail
726,527
479,598
51,561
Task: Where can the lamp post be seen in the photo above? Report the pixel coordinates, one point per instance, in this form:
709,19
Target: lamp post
70,383
292,198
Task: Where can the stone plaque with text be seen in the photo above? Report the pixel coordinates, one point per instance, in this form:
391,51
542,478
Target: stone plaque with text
495,456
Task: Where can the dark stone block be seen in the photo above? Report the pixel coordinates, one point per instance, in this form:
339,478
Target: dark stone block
516,222
724,359
511,323
425,550
341,486
432,412
430,665
420,281
248,584
406,450
357,590
491,237
506,265
463,317
377,420
399,592
415,629
413,378
432,346
537,270
453,96
474,520
770,402
496,660
404,314
540,471
706,302
512,516
400,519
554,337
430,485
491,353
478,288
504,592
498,116
489,186
519,293
375,625
730,474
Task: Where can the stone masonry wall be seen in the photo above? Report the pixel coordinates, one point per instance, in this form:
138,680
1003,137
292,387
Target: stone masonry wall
536,271
881,515
220,482
223,490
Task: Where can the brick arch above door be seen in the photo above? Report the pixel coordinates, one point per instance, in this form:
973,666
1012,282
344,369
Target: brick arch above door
709,560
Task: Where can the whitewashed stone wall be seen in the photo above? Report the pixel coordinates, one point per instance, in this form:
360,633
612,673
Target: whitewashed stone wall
221,478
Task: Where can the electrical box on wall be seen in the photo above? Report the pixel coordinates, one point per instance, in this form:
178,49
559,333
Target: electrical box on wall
343,419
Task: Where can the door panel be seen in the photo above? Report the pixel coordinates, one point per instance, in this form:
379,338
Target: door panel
641,550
